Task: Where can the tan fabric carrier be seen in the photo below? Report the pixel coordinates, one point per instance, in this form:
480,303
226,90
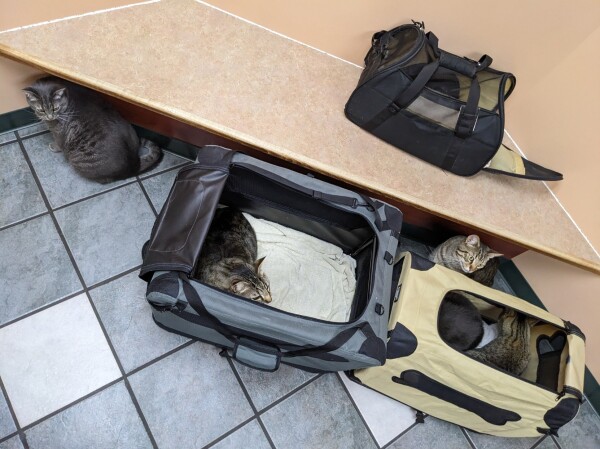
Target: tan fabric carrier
425,373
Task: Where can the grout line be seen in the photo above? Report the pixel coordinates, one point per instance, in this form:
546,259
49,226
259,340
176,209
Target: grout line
289,394
394,440
35,134
556,443
24,220
160,357
101,11
147,197
82,281
114,278
539,441
556,199
11,410
468,437
44,307
277,33
94,195
71,404
229,432
339,375
265,431
9,436
249,399
243,387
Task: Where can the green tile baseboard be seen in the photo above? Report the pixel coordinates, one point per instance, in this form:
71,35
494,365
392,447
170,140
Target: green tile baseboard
16,119
23,117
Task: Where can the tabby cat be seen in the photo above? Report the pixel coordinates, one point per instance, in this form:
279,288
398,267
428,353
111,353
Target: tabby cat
469,256
98,143
510,350
228,257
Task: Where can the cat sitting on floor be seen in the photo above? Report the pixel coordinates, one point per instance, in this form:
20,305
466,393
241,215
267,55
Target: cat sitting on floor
98,143
227,260
469,256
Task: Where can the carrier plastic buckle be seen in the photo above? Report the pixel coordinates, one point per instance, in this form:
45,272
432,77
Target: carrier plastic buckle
394,108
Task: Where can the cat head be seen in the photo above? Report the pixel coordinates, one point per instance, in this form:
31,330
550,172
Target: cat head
473,255
48,99
251,282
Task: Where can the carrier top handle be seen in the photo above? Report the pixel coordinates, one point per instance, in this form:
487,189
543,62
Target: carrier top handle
467,117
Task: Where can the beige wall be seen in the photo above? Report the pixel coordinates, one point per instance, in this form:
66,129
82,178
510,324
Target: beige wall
551,46
15,76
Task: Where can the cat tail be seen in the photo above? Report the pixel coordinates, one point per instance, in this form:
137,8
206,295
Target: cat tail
150,154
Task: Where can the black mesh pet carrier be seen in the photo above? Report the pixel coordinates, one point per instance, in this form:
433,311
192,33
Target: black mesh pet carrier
444,109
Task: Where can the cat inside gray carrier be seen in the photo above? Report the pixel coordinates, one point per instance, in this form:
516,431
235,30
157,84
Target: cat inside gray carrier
254,333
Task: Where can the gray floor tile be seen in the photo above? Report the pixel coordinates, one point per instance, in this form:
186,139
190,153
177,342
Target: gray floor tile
583,432
107,420
492,442
32,129
21,197
106,233
547,443
7,425
250,436
7,137
433,434
59,180
168,162
385,417
54,357
158,188
35,267
265,388
190,398
319,416
13,443
127,318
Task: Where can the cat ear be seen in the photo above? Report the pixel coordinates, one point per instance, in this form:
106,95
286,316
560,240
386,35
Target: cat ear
31,96
258,263
493,254
59,97
472,240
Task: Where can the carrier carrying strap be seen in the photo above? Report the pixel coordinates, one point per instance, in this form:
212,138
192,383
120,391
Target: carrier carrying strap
205,318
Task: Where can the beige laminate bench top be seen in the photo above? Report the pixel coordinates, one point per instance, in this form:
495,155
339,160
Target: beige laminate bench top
214,71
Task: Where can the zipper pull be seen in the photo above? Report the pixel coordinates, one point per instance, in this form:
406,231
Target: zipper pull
421,25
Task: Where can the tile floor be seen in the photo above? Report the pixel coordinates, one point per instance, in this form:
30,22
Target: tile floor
82,365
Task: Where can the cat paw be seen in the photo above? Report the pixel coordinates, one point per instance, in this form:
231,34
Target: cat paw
54,148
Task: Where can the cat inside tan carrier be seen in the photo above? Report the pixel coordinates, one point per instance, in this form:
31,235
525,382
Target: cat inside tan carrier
423,371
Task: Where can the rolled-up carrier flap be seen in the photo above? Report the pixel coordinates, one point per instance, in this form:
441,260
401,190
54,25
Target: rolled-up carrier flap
180,229
507,162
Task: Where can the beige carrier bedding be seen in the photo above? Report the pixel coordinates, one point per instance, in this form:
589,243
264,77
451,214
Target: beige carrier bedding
307,276
422,371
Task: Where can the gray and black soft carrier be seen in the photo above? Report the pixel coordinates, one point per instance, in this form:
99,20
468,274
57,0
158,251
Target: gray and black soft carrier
254,333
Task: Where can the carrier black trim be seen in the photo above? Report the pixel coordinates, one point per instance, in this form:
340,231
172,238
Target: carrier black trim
560,415
402,342
490,413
